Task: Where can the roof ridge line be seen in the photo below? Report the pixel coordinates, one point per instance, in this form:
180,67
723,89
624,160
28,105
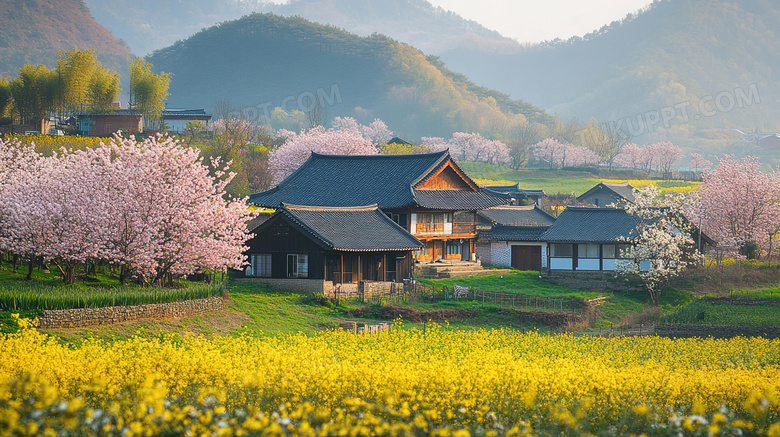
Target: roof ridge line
370,207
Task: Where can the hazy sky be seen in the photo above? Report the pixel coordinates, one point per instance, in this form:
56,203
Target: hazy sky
538,20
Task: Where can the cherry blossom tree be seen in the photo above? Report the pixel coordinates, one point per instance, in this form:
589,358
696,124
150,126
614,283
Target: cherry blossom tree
666,155
170,215
298,147
15,159
25,229
152,207
698,162
662,243
471,147
630,156
377,131
562,155
737,203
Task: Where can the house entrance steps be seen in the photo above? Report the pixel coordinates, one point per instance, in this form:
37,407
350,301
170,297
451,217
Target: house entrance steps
453,269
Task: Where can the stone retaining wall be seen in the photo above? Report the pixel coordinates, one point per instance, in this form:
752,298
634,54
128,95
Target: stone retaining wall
715,331
107,315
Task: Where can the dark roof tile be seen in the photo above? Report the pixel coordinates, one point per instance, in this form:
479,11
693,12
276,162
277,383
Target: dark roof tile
592,225
387,180
530,215
362,228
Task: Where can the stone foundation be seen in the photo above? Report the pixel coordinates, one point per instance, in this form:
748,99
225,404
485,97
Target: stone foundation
79,317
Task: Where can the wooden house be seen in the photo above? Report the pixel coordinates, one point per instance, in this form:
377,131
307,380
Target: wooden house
510,236
589,239
177,119
314,248
428,195
604,194
106,125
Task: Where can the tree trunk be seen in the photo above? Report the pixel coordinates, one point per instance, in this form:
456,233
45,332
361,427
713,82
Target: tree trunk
122,274
30,269
67,271
16,262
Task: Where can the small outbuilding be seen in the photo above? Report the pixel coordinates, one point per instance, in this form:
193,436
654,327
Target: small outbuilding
316,248
509,236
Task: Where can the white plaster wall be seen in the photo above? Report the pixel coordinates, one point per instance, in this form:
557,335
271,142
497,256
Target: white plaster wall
501,253
560,264
587,264
609,264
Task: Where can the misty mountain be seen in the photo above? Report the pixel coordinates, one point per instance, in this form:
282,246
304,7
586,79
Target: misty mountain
33,31
147,25
677,55
264,61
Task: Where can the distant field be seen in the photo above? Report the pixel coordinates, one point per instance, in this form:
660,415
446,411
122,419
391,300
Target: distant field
563,181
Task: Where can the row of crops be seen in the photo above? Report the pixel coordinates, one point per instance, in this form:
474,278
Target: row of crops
24,297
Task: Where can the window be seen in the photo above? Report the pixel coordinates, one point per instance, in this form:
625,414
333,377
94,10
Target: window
453,247
561,250
297,266
261,265
400,219
587,251
608,251
432,222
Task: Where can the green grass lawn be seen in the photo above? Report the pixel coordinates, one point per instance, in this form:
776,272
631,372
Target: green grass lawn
703,312
517,281
562,181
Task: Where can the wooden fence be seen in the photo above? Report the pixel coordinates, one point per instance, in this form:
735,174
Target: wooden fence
413,293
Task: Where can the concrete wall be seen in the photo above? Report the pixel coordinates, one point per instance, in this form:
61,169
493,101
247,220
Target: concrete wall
109,315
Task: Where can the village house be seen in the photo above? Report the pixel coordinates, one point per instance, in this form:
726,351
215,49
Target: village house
316,248
427,195
510,236
604,194
590,239
105,125
177,119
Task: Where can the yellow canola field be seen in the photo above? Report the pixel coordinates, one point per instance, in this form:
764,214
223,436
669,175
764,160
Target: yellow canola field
405,382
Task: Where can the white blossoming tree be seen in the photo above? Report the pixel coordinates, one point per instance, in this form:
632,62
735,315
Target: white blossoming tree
663,246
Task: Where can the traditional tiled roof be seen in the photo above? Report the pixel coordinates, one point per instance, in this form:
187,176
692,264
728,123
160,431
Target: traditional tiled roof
361,228
455,200
513,233
592,225
387,180
514,189
624,190
168,112
530,215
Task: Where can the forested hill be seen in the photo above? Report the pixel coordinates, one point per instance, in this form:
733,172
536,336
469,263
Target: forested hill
674,52
33,31
264,61
148,25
